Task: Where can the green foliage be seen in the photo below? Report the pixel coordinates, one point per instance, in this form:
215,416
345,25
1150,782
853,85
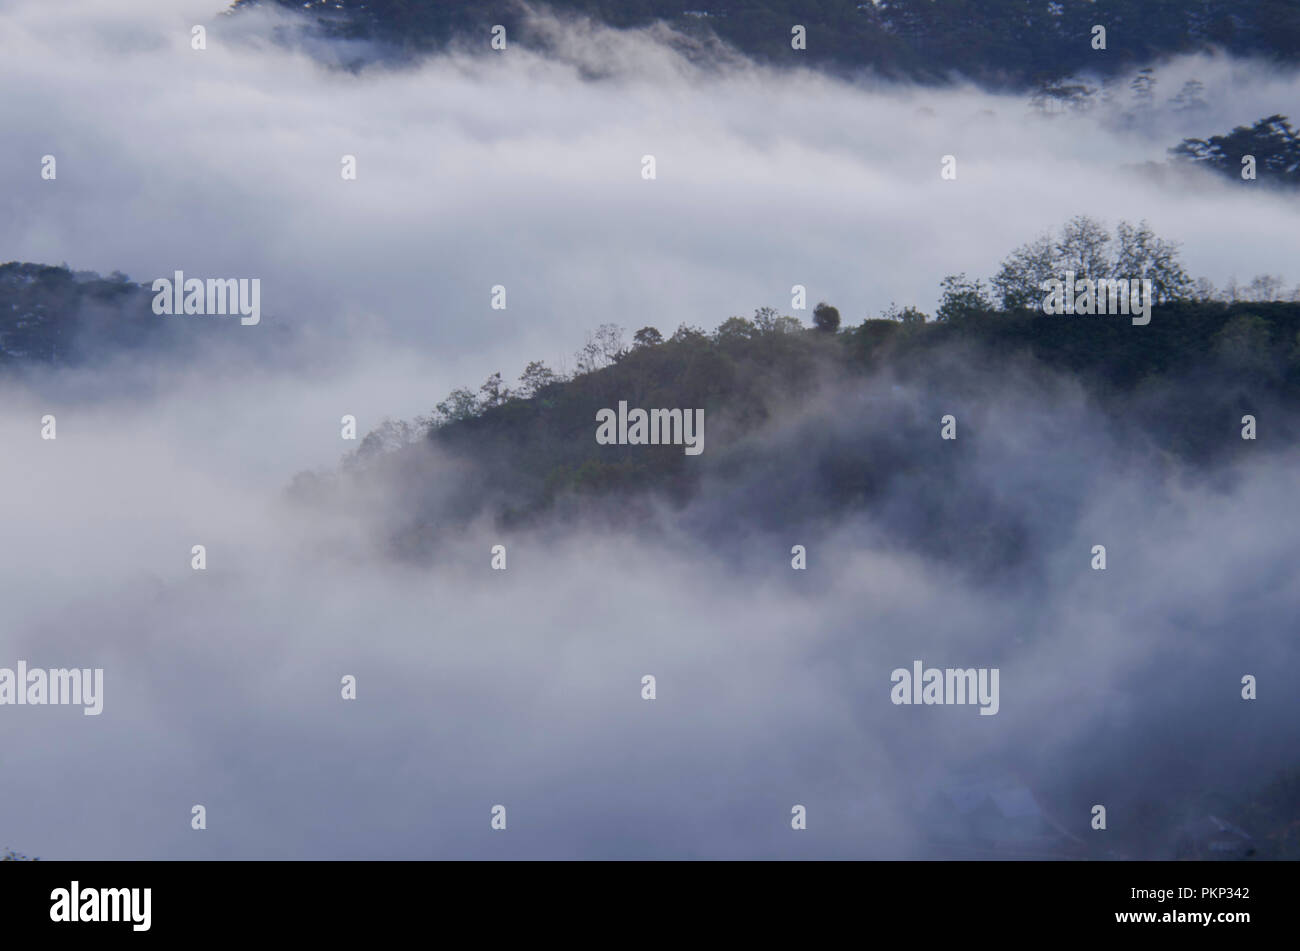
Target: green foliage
537,376
1017,283
1085,247
1001,42
963,299
909,315
461,404
493,392
56,316
826,318
1081,248
647,337
736,328
1055,96
769,321
1245,346
1271,140
536,451
1140,254
685,334
53,315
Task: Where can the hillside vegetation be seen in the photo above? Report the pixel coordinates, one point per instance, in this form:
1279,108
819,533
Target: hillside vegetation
1012,43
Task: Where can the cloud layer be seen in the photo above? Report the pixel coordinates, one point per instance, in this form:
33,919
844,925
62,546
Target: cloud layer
523,687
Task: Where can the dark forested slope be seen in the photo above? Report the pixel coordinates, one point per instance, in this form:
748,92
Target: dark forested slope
1014,43
804,427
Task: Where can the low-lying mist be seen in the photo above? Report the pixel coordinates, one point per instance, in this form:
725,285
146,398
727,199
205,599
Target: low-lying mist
480,168
523,687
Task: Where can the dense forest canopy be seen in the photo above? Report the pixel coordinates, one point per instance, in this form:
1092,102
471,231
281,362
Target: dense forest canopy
1271,142
1012,43
1194,371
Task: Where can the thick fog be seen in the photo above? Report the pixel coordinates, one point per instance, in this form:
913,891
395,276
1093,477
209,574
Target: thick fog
505,168
523,687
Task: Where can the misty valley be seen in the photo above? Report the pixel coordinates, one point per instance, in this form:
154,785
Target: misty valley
989,552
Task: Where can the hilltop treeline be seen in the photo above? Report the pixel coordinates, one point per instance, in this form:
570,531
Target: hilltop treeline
806,426
803,424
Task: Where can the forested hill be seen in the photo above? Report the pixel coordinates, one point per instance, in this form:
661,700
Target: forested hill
1012,43
54,316
804,427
